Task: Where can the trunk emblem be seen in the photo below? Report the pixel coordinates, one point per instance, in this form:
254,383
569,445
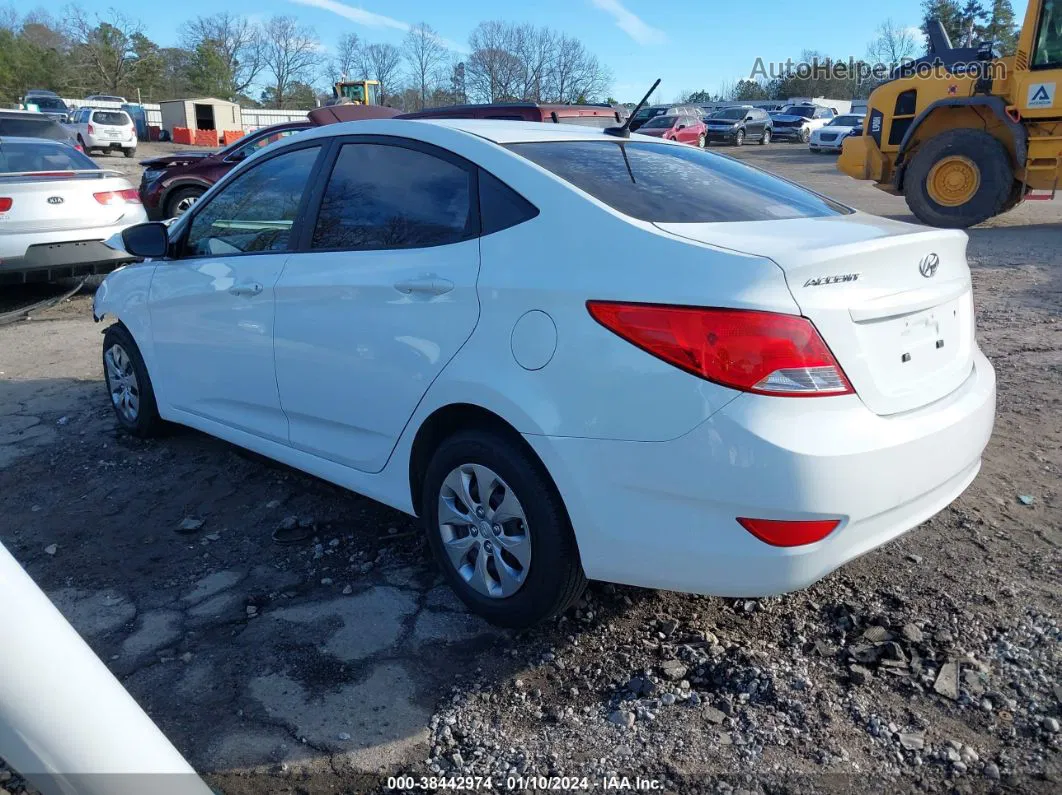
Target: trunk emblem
55,200
928,266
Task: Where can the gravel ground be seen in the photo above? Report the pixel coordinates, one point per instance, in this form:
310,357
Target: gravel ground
932,664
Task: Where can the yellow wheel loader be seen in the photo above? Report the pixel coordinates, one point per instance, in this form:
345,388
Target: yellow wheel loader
963,134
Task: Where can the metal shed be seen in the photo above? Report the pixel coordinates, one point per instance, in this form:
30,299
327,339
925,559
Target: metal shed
201,113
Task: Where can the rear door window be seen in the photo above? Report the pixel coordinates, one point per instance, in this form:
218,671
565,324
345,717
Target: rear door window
675,184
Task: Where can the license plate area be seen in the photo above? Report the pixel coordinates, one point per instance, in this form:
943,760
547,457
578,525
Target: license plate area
909,349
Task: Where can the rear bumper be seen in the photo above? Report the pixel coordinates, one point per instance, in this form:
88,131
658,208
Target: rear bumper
663,515
95,142
77,252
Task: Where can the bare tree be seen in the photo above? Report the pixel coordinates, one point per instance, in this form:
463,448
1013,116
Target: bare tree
104,47
346,64
383,63
493,72
536,49
894,43
426,55
290,54
236,43
577,75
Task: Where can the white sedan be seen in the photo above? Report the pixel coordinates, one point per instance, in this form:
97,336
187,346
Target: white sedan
831,137
57,208
574,355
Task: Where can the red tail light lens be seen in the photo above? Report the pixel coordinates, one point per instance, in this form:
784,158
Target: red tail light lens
762,352
127,196
91,129
79,147
780,533
5,204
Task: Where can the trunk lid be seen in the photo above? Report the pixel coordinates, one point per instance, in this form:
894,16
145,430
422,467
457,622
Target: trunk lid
902,329
57,203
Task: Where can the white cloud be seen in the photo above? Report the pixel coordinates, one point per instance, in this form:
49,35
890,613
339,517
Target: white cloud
369,19
629,23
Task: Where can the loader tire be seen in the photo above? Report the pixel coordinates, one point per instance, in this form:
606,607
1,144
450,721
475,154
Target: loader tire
958,178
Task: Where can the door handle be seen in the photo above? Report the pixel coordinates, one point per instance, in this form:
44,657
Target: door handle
427,285
247,289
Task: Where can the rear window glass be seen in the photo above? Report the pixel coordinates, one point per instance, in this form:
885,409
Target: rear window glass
29,156
600,122
47,103
675,184
33,127
115,117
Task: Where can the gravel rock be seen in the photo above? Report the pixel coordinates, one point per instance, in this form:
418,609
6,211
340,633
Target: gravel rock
190,524
713,715
673,670
992,771
622,717
912,741
1050,725
947,681
51,549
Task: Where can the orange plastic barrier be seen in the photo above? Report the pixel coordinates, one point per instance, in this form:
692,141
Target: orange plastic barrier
206,138
232,135
181,135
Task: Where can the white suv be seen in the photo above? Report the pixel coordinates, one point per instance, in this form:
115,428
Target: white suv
104,129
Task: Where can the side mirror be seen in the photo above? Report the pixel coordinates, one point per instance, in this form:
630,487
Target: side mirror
150,241
682,126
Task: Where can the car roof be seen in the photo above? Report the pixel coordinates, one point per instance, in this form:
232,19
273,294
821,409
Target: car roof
23,139
17,113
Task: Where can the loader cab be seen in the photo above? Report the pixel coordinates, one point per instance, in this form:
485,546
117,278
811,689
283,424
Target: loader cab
1047,51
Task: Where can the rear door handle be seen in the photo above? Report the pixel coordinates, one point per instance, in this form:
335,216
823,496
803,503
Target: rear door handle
247,289
427,285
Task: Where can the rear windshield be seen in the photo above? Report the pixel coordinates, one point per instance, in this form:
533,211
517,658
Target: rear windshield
33,127
601,122
675,184
115,117
47,103
43,156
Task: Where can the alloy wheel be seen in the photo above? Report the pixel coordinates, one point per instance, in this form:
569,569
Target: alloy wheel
484,531
121,380
184,205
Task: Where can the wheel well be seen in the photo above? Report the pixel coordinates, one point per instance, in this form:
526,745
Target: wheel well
447,421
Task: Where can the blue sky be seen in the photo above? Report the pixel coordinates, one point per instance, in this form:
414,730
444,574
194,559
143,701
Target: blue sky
690,44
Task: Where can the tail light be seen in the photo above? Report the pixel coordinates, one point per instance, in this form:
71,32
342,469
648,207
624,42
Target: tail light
762,352
79,147
127,196
5,203
779,533
91,129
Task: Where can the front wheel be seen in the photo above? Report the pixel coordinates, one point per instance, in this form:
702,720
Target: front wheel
959,178
182,200
701,141
739,138
766,139
805,135
499,531
128,383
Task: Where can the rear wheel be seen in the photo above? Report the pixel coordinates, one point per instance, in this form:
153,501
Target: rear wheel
739,138
805,135
129,152
959,178
182,200
499,531
128,384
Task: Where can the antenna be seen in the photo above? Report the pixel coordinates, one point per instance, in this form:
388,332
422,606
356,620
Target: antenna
624,131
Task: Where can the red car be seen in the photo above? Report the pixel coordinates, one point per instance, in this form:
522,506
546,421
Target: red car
685,129
172,184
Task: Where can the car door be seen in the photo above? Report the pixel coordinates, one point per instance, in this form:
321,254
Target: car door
212,307
379,298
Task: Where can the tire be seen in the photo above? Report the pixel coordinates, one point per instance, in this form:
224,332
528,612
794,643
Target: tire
739,138
701,141
766,139
127,377
805,135
979,151
553,578
129,152
180,196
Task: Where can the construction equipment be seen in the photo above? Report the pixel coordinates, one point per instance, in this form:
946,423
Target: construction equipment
964,134
356,92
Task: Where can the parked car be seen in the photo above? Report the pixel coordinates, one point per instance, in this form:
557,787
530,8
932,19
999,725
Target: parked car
28,124
104,130
704,418
48,103
830,137
106,98
797,122
171,184
738,125
652,111
56,209
583,115
684,129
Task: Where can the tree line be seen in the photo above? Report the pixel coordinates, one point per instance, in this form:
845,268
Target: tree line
967,22
281,63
